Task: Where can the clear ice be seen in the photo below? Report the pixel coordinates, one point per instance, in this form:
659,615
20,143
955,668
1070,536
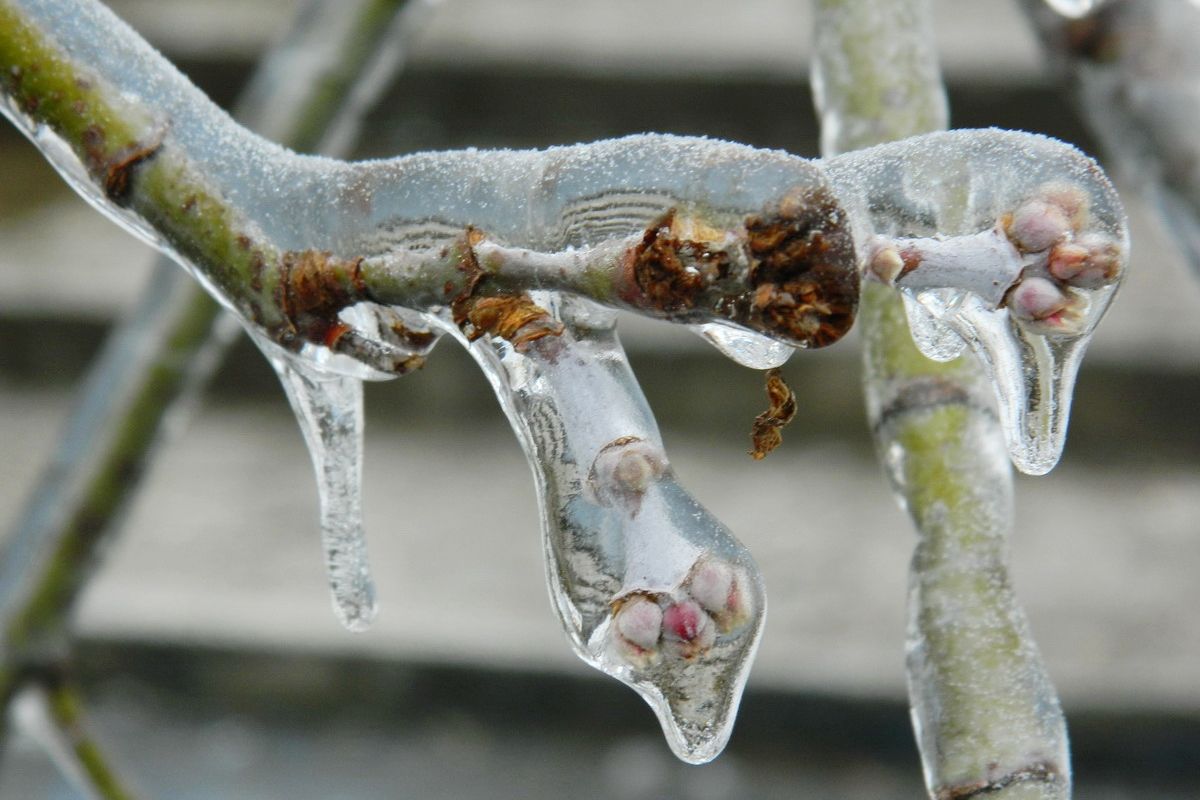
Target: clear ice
650,587
747,348
1141,99
329,409
1075,9
963,199
983,706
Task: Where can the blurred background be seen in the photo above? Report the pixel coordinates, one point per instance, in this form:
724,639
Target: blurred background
215,664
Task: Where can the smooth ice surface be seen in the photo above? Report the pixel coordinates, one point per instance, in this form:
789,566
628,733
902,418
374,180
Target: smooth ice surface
749,349
32,715
650,587
964,194
329,409
925,310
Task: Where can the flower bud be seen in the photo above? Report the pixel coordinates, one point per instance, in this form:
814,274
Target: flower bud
687,630
1044,307
637,623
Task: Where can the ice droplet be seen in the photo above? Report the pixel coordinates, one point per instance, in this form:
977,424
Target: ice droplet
649,586
329,410
1075,9
935,339
1033,376
749,349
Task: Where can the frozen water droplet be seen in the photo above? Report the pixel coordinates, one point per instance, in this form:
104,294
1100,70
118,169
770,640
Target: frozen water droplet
751,350
1075,9
650,587
935,339
329,410
1032,374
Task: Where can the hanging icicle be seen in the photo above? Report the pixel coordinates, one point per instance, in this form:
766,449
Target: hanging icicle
650,587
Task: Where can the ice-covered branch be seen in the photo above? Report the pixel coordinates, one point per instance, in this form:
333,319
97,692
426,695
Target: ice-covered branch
692,230
167,348
986,717
50,712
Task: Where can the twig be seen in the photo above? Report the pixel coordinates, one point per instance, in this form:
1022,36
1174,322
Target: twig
50,712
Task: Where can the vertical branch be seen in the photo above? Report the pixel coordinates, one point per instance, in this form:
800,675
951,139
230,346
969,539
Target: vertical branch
986,717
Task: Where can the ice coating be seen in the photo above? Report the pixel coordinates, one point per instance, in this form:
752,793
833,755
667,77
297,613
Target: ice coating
329,409
984,709
749,349
925,311
962,200
650,587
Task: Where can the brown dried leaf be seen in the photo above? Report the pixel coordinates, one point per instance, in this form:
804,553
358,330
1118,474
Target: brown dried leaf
767,434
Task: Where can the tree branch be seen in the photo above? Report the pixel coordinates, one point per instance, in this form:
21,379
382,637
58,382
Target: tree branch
986,717
672,227
170,345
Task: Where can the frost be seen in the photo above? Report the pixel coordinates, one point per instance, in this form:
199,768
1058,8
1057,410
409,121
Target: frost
650,587
1045,235
751,350
329,409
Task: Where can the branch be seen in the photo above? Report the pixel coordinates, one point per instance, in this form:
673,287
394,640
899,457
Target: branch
986,717
165,351
691,230
51,713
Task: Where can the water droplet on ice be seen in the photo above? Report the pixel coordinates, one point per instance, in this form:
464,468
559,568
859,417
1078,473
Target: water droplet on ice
935,339
1033,376
749,349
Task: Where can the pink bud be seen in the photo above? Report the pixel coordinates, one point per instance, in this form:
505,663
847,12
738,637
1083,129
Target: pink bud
1091,261
1037,224
640,621
688,629
624,470
723,591
1044,307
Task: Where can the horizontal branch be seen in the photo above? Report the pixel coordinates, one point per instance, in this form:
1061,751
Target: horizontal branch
691,230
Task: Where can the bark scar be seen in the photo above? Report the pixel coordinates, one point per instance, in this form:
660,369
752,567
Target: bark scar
116,168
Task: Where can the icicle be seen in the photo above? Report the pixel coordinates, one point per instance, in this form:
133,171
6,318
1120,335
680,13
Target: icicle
1033,376
749,349
329,409
650,587
1039,246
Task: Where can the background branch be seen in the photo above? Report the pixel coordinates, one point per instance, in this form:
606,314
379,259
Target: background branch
167,348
